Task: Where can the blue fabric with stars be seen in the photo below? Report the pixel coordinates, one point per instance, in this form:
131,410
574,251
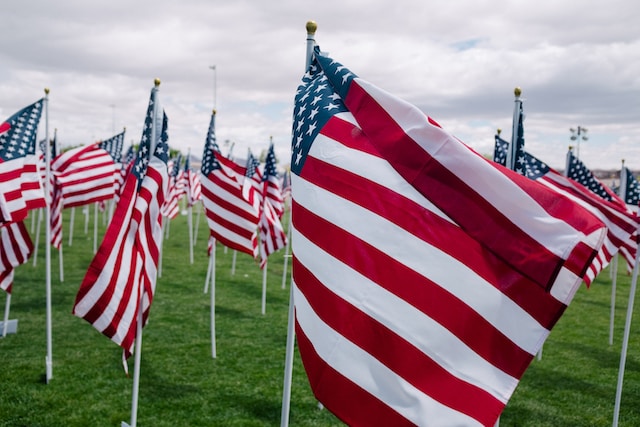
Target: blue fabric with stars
209,161
500,151
113,146
161,148
632,195
270,164
520,159
318,98
530,166
19,140
176,166
581,174
251,165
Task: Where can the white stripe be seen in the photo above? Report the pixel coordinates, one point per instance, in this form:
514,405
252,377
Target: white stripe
371,375
405,320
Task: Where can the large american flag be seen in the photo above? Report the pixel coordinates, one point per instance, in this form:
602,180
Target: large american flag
123,272
621,223
425,277
232,220
20,186
15,248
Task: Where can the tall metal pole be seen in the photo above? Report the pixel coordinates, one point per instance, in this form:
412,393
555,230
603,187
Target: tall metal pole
513,147
47,244
213,67
577,135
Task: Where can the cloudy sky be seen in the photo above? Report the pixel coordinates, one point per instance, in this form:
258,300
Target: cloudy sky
459,61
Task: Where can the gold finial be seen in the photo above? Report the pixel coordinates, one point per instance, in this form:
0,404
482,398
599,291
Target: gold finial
623,162
499,131
213,111
570,147
311,27
156,82
46,91
124,129
517,91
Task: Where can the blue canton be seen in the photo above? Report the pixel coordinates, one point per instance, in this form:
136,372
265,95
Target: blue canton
500,151
318,98
270,164
19,140
519,163
209,161
581,174
162,147
534,168
632,195
251,165
142,158
113,146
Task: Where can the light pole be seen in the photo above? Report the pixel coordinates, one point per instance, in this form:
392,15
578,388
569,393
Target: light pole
577,135
213,67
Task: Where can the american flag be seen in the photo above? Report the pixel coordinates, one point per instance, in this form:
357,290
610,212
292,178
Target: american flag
579,172
629,188
170,209
425,277
123,273
84,175
272,191
252,183
272,235
621,223
113,146
20,186
125,166
191,180
232,220
15,248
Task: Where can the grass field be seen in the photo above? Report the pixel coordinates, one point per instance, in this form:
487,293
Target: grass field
182,385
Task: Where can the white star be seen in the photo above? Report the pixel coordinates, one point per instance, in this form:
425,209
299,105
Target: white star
312,127
298,157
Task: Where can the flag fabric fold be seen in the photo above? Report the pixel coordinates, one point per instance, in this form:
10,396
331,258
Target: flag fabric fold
123,272
272,235
425,278
20,187
15,248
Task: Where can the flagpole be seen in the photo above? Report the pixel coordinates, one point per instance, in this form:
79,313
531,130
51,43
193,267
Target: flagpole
286,253
264,288
212,263
61,263
511,153
195,234
625,339
37,242
288,364
85,210
5,322
233,262
72,216
136,368
47,190
614,274
190,216
95,228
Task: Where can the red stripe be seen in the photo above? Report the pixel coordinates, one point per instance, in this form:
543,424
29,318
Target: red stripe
408,285
438,232
345,399
393,351
476,215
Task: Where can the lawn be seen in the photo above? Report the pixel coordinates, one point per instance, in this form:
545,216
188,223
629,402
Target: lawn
181,384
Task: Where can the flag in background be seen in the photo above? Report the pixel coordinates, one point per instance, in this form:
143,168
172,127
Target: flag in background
272,191
20,186
232,220
125,165
421,292
170,209
580,173
15,248
252,190
621,223
192,183
123,273
629,188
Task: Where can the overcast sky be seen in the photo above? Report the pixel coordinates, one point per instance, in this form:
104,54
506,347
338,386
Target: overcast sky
577,63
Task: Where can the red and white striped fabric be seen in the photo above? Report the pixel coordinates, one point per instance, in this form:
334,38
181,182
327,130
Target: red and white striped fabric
194,187
176,190
232,220
123,273
425,278
272,190
252,188
15,248
85,175
272,235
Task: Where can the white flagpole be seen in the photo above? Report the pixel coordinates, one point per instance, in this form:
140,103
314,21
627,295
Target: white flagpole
213,300
264,288
5,322
164,224
208,276
625,339
288,368
233,262
85,210
136,370
286,254
61,263
47,190
614,279
33,222
95,228
511,153
72,216
195,234
37,242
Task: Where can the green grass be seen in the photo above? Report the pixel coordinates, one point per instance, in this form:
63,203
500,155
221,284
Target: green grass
182,385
